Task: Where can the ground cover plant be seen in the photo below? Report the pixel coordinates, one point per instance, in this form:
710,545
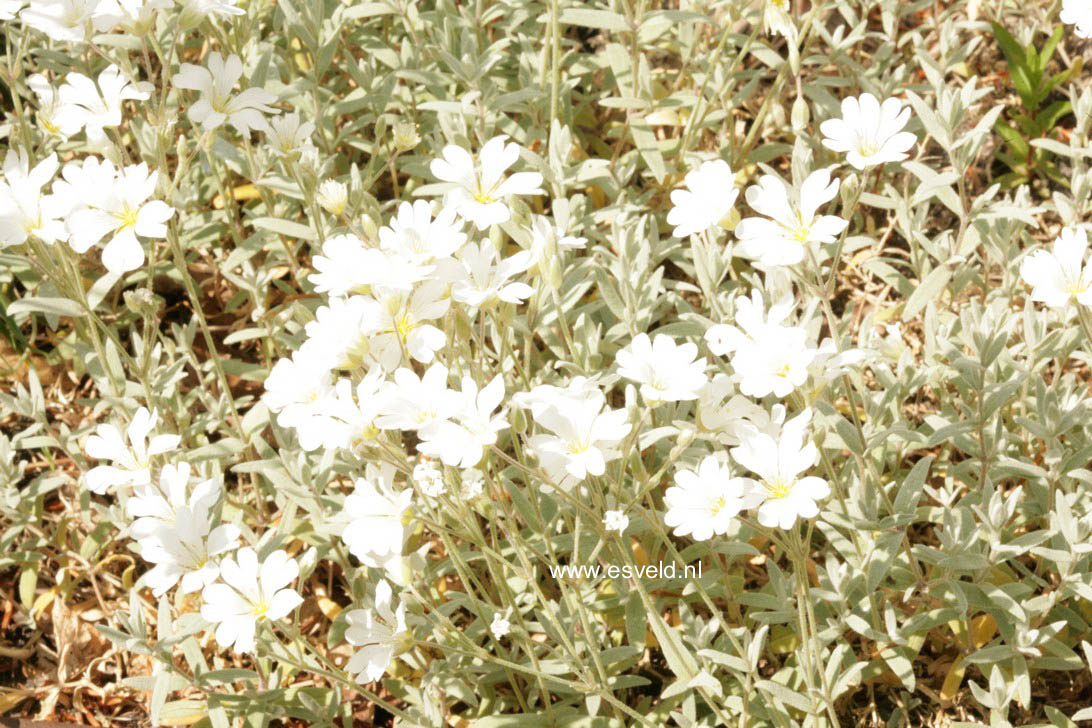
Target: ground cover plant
497,363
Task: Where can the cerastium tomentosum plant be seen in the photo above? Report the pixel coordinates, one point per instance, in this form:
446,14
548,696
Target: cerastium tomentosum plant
545,363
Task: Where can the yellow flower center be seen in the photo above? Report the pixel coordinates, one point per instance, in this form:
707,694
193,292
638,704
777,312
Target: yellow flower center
867,150
783,372
260,610
718,505
128,217
778,490
403,325
485,197
800,233
1077,288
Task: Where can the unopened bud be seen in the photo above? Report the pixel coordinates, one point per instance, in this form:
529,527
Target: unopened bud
517,418
143,302
405,135
367,224
849,191
801,114
1084,110
182,149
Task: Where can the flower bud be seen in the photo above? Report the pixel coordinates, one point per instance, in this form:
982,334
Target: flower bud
405,135
143,302
776,119
1084,110
308,561
367,224
182,149
190,17
517,418
849,190
801,114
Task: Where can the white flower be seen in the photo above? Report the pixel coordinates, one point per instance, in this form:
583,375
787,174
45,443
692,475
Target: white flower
1062,275
462,443
499,626
869,132
585,436
24,211
342,331
790,223
249,595
403,324
473,483
776,19
354,411
415,235
829,363
545,396
62,20
131,454
1079,13
704,503
153,504
217,104
481,187
615,521
381,633
194,11
707,200
95,107
299,390
414,403
134,16
174,531
119,209
779,463
286,135
767,356
10,8
484,279
332,196
377,515
429,479
406,569
666,371
724,412
53,116
548,241
346,266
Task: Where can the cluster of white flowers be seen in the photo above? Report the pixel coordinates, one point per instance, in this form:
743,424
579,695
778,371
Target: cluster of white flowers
402,381
769,355
75,21
369,368
93,200
178,528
